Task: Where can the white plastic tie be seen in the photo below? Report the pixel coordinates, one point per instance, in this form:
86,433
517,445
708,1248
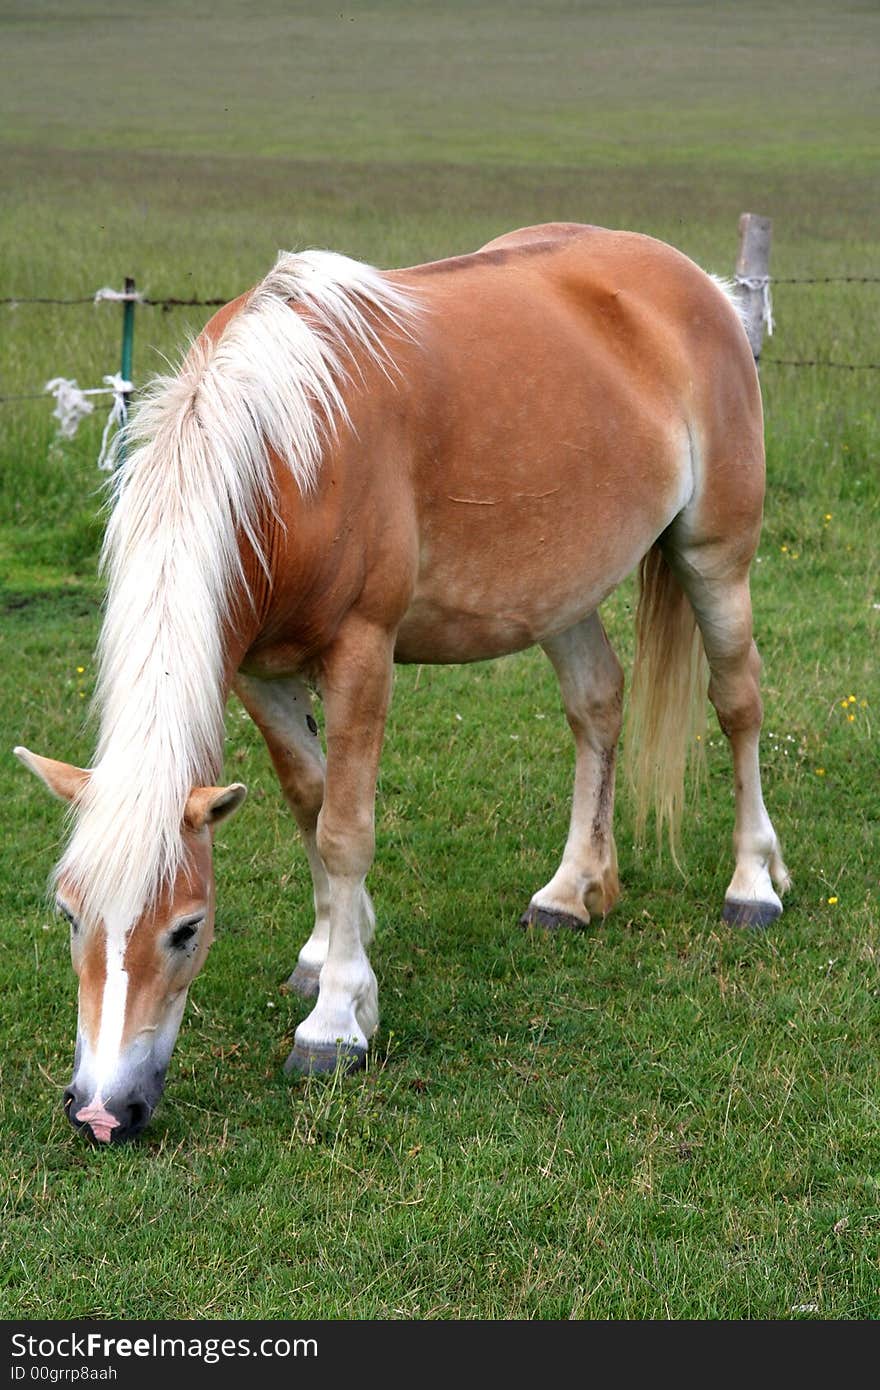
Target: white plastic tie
72,405
760,284
116,419
118,296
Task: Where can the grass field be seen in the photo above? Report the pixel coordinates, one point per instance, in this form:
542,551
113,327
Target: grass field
661,1117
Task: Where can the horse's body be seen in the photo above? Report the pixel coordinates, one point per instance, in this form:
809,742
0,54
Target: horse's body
482,449
544,436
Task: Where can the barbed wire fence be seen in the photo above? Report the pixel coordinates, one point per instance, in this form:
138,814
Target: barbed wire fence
752,281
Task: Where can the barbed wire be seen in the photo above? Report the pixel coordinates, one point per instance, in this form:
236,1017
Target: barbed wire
176,302
817,362
24,299
186,303
171,303
825,279
765,362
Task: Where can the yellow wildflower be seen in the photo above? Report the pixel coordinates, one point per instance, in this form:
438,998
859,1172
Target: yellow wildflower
832,901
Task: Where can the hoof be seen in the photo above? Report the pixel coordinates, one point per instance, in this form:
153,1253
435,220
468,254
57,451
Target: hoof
549,920
325,1057
755,914
304,982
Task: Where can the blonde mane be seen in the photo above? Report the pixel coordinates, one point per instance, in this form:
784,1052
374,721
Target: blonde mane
196,478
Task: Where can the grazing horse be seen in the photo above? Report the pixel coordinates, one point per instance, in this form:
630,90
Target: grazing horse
440,464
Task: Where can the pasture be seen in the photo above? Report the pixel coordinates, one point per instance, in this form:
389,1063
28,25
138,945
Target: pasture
661,1117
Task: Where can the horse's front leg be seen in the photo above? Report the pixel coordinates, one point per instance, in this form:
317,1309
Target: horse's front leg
356,689
282,711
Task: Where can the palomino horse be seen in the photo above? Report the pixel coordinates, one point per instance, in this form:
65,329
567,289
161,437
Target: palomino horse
439,464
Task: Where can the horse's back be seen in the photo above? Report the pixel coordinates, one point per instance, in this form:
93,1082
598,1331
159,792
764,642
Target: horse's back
619,282
566,376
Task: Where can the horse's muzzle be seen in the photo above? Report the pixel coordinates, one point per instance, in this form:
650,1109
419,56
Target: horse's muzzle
127,1119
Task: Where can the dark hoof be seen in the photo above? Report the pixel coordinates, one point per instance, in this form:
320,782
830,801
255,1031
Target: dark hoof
755,915
325,1057
304,982
549,920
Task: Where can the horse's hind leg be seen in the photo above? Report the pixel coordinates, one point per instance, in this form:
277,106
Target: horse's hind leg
591,683
716,580
282,711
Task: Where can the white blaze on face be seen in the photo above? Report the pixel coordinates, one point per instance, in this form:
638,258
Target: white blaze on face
100,1065
112,1014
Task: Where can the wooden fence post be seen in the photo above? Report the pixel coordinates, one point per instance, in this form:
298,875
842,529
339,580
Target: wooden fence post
753,277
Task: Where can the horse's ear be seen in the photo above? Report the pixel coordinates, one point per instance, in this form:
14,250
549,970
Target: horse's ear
63,780
210,805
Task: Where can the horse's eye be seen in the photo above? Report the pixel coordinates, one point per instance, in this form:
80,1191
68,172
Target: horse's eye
183,933
68,917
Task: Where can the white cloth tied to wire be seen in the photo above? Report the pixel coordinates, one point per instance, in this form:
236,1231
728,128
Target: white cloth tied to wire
760,284
72,404
118,296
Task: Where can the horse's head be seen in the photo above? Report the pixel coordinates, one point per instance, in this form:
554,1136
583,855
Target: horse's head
134,974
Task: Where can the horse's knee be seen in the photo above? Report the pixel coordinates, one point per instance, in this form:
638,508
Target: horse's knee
346,846
303,789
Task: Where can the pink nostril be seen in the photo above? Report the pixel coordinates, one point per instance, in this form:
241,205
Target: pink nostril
99,1121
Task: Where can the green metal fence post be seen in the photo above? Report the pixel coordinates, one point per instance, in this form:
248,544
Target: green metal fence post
127,351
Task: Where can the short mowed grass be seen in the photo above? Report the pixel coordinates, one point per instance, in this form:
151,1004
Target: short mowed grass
661,1117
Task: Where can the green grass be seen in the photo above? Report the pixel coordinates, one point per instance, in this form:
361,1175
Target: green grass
659,1118
494,82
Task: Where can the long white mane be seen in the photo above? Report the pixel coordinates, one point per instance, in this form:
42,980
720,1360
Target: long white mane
198,476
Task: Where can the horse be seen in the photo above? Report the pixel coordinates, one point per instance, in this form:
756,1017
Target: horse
440,464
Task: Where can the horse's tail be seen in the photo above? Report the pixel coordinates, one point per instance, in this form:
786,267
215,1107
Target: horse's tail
666,719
